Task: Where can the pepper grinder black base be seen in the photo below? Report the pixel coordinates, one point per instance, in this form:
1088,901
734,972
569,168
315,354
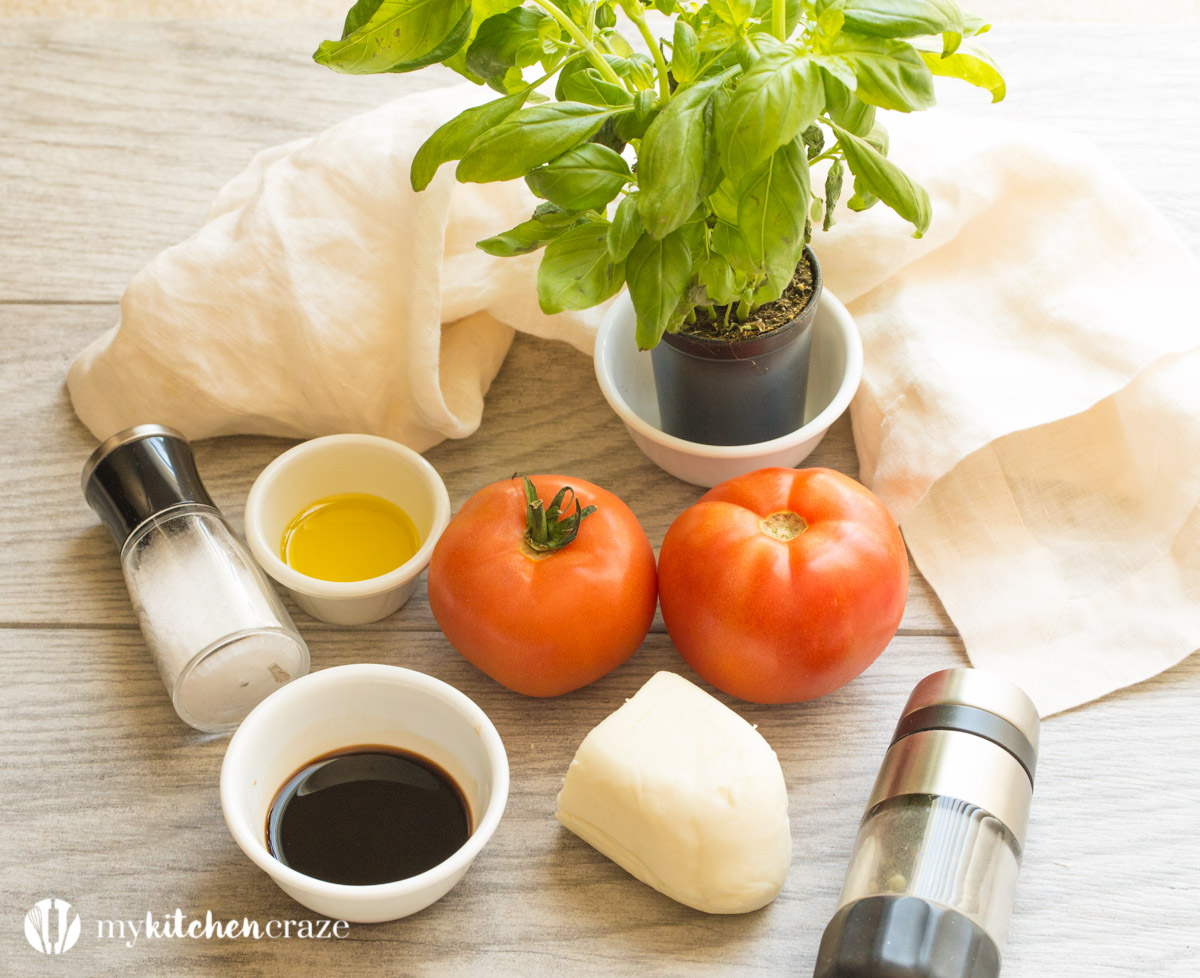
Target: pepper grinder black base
904,937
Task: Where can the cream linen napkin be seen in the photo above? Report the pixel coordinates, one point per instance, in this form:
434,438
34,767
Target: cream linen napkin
313,299
1030,406
1029,403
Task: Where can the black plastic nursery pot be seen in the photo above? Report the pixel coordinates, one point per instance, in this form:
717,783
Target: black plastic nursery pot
736,392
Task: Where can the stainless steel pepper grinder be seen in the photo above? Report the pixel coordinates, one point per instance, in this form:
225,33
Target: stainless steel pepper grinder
930,885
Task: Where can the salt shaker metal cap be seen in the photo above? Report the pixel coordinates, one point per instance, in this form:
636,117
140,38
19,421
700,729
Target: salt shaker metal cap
929,889
138,473
219,634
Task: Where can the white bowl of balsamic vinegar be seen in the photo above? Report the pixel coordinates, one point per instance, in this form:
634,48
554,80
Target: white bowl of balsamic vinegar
365,791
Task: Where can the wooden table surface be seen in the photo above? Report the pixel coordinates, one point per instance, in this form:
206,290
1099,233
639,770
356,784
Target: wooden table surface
113,138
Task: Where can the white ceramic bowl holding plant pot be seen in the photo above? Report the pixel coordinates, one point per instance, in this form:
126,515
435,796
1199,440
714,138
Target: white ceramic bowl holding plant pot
334,464
626,379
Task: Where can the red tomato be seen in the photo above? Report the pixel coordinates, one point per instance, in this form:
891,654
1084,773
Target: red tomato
543,624
784,584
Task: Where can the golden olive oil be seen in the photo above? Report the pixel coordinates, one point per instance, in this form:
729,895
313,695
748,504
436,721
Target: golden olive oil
352,536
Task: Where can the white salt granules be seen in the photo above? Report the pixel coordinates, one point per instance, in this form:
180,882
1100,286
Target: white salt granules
220,636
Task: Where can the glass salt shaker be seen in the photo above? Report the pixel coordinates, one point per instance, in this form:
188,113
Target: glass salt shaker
930,886
219,634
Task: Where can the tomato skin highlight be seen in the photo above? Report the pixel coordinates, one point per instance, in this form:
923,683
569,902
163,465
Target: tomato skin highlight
781,621
543,625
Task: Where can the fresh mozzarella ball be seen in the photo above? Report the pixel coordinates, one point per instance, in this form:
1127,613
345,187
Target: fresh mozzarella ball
684,794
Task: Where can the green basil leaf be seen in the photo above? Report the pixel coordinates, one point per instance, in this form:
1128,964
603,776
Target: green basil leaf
879,176
524,238
723,201
634,123
774,101
771,215
481,10
573,65
618,45
684,59
606,17
734,12
862,200
970,63
397,32
587,86
833,190
642,71
830,21
845,108
763,41
898,18
452,140
693,295
625,229
693,230
555,51
528,138
458,62
728,242
511,80
658,271
836,69
746,53
720,285
554,216
878,137
509,40
673,156
890,74
582,179
358,15
716,38
449,47
951,41
713,174
973,25
576,271
579,65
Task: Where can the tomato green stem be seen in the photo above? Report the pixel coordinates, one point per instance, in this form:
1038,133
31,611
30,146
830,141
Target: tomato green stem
547,529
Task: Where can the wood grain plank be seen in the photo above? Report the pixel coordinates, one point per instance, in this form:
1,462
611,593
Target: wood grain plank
116,136
44,447
132,824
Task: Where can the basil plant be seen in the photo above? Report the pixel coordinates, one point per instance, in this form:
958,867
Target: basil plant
691,170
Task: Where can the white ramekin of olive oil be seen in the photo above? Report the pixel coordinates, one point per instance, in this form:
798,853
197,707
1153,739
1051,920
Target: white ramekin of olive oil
346,523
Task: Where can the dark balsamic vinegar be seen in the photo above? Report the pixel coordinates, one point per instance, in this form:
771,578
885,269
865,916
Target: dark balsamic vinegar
367,815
